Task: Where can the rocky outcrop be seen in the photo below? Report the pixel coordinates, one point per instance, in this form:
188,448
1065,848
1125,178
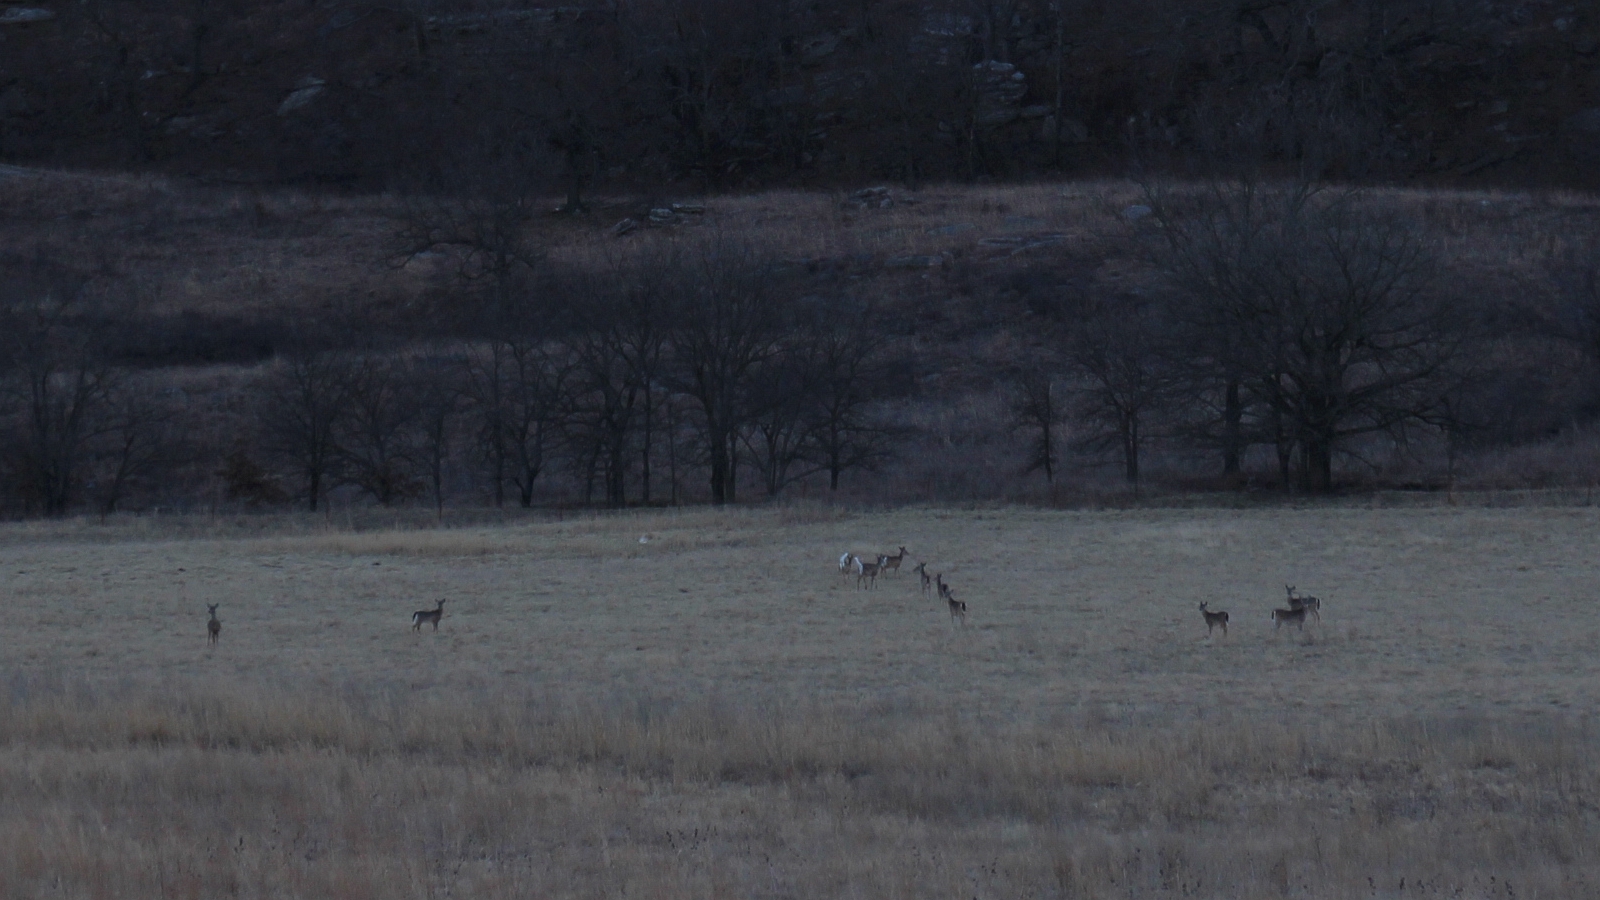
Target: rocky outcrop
305,90
22,15
1001,87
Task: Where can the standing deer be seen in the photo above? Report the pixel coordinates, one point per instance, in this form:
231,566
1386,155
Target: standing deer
1299,601
892,563
1215,620
958,609
868,572
847,561
1295,617
944,589
213,627
427,615
927,580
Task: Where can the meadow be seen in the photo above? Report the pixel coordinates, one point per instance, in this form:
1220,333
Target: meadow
714,711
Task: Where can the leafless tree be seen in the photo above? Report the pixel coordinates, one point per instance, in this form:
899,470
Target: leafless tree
57,321
139,436
1038,408
374,435
517,390
728,319
437,389
1321,305
851,368
1120,349
304,405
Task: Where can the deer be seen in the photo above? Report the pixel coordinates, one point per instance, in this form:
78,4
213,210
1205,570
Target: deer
213,627
1295,617
944,589
892,563
847,561
927,580
958,608
427,615
1298,601
868,572
1218,619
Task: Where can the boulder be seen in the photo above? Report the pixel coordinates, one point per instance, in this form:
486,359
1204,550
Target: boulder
305,90
1072,130
14,101
22,15
912,262
1001,87
1585,122
871,198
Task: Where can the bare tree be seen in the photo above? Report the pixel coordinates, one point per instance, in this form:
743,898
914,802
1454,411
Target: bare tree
518,393
1120,351
727,322
56,323
304,402
1037,407
374,435
621,323
851,369
437,391
138,437
1319,305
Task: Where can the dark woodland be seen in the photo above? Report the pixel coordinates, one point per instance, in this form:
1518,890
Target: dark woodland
1316,247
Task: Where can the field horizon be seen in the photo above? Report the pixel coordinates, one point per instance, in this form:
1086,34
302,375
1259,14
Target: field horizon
696,703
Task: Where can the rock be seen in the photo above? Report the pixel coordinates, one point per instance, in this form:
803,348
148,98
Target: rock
911,262
663,216
22,15
14,101
626,226
1023,242
305,91
872,198
1585,122
1136,212
1072,130
948,230
818,49
948,25
689,209
1001,87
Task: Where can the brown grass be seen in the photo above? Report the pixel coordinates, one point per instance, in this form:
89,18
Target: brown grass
716,712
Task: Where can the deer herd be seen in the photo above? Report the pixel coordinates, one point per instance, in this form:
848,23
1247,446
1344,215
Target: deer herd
866,575
1300,606
867,578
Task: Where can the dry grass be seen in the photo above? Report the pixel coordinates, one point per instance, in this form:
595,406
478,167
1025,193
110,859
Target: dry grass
716,712
256,252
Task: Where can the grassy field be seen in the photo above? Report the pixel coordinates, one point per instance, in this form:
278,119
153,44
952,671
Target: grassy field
715,712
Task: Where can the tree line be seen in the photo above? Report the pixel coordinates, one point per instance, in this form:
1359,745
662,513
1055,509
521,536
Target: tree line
1279,330
670,361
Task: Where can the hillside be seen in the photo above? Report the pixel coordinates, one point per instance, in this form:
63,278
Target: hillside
707,91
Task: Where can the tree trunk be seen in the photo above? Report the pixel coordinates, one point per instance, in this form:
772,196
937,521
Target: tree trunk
1232,428
644,451
1130,450
719,466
